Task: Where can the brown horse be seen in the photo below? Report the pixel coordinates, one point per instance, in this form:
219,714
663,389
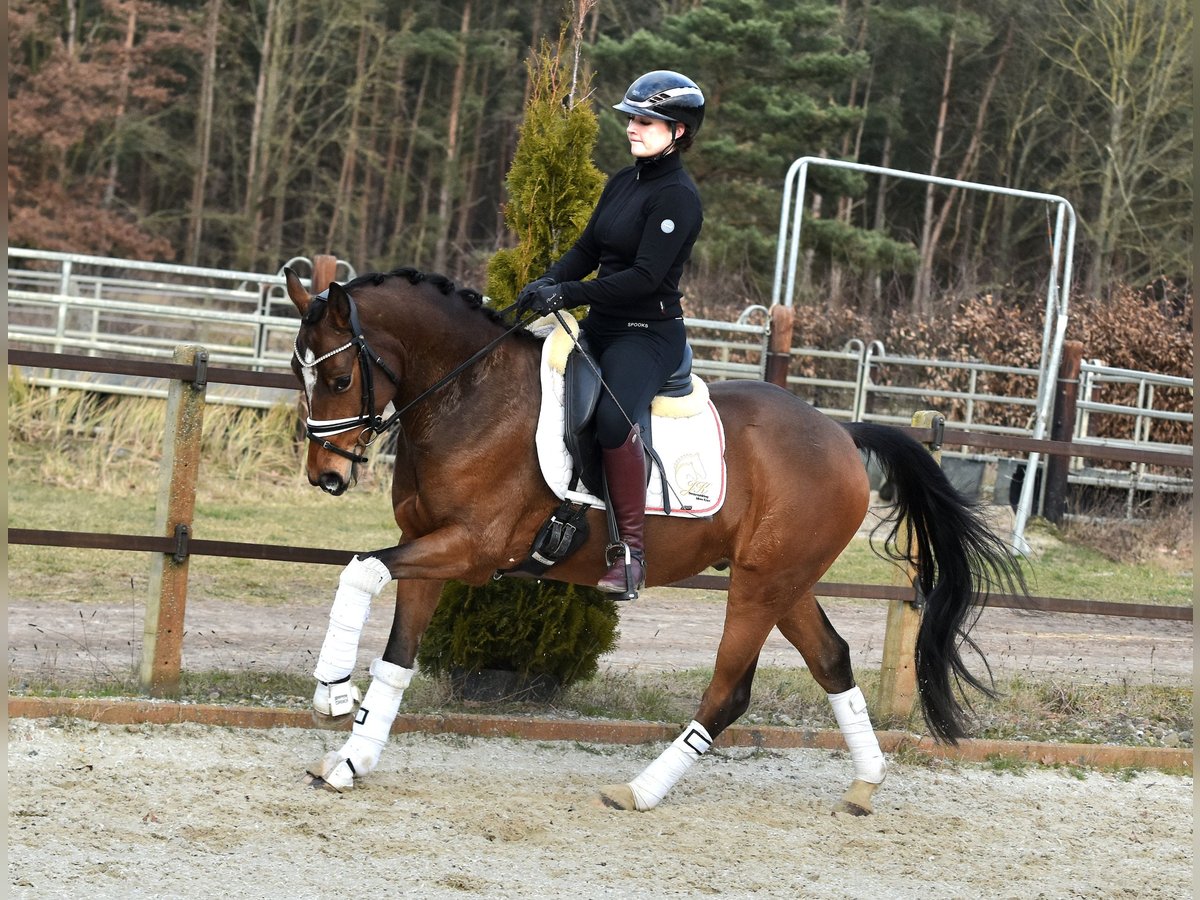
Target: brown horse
469,498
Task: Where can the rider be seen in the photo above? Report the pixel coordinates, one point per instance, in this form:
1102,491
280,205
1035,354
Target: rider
639,237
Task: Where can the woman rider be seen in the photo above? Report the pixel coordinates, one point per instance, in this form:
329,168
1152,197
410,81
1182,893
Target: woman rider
638,238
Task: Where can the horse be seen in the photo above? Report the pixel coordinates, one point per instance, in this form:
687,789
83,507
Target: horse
468,498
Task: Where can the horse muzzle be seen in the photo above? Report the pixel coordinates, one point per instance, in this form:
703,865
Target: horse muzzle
331,483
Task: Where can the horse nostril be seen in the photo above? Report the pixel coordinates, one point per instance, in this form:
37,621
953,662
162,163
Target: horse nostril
331,483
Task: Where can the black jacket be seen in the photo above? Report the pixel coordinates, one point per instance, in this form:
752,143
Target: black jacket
639,236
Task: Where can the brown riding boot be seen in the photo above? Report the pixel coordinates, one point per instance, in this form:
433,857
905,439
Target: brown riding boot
625,475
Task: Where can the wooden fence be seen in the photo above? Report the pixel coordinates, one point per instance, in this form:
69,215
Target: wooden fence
174,543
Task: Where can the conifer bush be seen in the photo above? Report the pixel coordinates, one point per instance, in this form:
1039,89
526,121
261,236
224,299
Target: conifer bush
551,634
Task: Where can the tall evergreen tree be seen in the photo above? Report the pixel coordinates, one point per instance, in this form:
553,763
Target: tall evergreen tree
771,71
552,184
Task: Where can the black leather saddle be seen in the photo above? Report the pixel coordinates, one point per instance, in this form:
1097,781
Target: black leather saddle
581,393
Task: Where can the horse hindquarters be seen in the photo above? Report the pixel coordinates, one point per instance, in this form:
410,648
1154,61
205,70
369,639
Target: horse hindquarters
956,557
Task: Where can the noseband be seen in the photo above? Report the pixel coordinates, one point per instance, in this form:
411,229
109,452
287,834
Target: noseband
372,423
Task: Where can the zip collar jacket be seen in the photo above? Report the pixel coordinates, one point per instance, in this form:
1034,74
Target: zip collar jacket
638,238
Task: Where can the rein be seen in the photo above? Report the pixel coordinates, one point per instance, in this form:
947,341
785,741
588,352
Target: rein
317,430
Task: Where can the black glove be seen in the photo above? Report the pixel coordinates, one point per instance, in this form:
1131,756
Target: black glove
540,282
542,296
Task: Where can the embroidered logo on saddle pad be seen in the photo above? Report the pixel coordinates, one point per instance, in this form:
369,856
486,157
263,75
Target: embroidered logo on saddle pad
686,433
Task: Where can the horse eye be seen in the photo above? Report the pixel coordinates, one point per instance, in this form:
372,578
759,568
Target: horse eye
341,383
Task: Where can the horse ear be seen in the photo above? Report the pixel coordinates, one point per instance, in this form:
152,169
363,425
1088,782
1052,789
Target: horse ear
296,293
339,307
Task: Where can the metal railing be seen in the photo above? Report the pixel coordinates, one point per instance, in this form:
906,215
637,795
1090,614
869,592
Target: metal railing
63,302
1103,400
97,305
126,308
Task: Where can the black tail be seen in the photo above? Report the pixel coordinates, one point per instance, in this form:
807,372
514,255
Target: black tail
957,559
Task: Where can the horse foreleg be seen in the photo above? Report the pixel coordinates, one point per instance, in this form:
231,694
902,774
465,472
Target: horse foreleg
390,677
828,658
372,725
360,582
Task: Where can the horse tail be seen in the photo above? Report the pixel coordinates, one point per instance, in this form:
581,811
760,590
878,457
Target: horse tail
957,559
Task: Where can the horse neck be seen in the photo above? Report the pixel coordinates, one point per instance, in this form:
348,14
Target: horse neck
432,342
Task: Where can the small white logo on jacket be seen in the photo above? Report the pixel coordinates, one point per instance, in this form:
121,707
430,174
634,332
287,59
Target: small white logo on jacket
667,226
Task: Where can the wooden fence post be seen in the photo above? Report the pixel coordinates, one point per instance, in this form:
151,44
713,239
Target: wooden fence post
1062,429
779,345
897,672
162,638
324,268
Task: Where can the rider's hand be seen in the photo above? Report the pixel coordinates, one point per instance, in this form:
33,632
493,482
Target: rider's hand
542,296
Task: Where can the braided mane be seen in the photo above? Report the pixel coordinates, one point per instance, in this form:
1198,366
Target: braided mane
471,297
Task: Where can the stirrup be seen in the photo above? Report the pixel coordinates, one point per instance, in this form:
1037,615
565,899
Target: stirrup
621,553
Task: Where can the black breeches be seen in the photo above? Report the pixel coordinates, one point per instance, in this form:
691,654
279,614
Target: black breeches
635,359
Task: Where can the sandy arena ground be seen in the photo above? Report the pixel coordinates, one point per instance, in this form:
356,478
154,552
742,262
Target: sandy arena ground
186,811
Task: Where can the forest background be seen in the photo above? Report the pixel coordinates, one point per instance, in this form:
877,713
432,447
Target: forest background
240,134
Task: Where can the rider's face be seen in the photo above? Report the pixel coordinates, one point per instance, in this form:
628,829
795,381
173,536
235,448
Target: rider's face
648,137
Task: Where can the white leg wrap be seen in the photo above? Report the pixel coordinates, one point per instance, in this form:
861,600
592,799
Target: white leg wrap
360,582
375,716
662,774
850,710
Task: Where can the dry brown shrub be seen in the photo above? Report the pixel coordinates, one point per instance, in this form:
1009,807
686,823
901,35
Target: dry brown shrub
1163,536
1132,328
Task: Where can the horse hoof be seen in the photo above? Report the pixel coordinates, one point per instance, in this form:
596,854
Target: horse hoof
857,801
851,808
618,796
333,773
331,723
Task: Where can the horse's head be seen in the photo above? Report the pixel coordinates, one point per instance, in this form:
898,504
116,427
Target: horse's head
338,373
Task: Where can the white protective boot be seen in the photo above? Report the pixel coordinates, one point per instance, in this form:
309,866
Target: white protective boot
360,582
372,725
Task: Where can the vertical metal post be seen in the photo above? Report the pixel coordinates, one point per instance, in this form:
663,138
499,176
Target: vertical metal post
898,673
64,291
162,640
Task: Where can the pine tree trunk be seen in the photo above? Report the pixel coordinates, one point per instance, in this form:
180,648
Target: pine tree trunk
110,186
449,173
204,123
923,287
466,210
252,205
880,222
72,27
336,234
402,223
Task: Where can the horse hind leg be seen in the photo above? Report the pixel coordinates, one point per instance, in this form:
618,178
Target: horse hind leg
748,621
827,656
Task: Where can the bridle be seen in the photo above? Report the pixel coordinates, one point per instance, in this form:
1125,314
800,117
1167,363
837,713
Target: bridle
374,424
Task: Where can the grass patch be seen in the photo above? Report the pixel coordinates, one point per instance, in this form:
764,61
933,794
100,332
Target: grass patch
80,464
1024,710
1006,765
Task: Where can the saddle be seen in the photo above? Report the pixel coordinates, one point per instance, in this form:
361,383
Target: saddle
687,471
581,394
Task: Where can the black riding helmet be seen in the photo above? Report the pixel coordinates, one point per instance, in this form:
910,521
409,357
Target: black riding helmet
665,95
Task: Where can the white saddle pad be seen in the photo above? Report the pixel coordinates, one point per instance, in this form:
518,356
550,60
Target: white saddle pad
686,432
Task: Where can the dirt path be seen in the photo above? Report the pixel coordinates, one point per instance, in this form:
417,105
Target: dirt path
663,630
187,811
